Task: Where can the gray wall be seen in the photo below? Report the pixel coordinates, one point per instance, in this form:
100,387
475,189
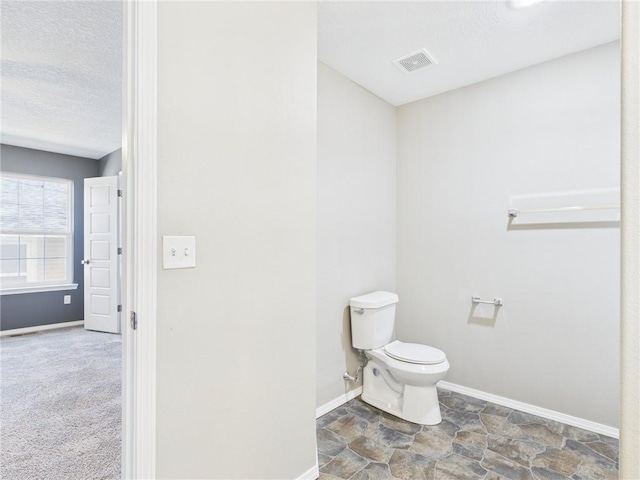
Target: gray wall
31,309
462,156
110,164
356,217
237,169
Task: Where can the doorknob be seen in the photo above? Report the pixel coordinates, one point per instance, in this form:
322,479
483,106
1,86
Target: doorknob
85,262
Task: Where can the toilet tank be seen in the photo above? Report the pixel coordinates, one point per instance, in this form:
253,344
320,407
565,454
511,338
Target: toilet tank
373,317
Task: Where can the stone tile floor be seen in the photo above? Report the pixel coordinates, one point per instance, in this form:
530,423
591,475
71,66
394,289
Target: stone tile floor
476,440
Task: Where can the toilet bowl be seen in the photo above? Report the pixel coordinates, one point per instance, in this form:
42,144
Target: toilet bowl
402,387
399,378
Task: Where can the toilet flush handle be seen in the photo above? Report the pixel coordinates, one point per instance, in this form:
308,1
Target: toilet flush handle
359,311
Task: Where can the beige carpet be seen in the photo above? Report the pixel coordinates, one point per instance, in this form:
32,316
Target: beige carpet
60,405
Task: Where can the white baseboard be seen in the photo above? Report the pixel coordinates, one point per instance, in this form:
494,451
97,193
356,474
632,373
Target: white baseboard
534,410
311,474
40,328
336,402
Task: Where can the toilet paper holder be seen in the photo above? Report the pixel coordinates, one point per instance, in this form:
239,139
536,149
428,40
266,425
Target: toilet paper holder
496,301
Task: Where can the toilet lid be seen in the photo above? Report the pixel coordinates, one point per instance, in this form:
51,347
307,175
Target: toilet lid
415,353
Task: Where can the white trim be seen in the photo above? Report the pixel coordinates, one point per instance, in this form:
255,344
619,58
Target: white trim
311,474
533,409
38,289
630,236
336,402
40,328
127,468
140,229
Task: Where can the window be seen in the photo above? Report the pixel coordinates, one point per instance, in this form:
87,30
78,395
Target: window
36,233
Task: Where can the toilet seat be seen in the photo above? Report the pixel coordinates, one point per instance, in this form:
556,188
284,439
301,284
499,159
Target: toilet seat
414,353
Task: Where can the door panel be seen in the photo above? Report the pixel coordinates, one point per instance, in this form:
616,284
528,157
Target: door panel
101,254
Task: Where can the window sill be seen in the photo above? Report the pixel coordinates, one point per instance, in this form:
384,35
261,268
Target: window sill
38,289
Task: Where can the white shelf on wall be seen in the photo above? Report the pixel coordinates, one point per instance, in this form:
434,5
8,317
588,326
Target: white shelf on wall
583,206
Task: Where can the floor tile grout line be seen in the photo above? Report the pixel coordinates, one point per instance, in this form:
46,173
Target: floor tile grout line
611,464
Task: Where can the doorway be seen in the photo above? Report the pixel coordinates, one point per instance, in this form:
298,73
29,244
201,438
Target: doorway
62,95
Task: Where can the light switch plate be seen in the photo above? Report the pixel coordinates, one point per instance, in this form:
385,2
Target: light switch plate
178,252
67,299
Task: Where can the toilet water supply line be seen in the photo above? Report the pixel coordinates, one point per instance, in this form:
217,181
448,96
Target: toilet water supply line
386,374
356,378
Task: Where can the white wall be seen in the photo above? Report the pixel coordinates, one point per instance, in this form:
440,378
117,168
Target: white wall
237,169
356,217
461,156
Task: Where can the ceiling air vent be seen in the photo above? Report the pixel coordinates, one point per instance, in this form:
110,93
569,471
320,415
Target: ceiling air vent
415,61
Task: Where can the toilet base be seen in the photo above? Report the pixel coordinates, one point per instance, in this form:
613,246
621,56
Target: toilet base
412,403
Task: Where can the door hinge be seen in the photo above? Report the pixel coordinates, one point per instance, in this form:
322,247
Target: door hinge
119,193
119,250
119,308
133,319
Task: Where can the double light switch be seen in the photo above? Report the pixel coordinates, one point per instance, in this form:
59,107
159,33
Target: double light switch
178,252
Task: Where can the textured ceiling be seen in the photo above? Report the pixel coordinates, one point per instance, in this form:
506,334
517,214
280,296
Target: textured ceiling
472,41
62,60
61,75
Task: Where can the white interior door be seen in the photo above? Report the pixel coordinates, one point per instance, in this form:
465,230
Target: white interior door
101,292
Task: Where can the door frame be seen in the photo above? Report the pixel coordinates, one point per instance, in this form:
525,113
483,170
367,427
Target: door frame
139,161
630,240
139,157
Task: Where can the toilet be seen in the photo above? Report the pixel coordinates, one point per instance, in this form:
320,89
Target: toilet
399,378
